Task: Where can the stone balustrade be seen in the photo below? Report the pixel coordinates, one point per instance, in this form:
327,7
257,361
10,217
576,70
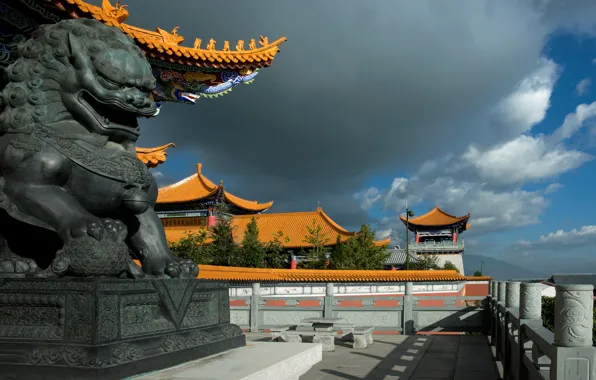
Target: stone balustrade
526,348
411,311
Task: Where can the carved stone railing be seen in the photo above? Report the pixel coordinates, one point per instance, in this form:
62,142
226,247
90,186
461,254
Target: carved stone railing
434,247
526,348
404,313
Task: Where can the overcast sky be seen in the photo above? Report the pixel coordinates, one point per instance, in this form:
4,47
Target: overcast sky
479,106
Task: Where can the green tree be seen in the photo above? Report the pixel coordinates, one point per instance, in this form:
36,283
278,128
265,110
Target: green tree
223,249
251,252
341,257
315,255
450,266
425,262
365,255
193,246
477,273
274,251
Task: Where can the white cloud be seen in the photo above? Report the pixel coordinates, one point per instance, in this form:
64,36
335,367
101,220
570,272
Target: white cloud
583,86
368,197
523,159
573,236
585,235
574,122
528,104
552,188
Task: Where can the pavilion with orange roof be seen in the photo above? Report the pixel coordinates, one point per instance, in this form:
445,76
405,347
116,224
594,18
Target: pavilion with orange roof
437,233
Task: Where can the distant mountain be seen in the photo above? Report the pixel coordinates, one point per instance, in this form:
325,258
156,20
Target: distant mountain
499,270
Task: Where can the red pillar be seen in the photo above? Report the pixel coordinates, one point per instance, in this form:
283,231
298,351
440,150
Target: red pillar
293,262
393,268
417,238
455,237
211,221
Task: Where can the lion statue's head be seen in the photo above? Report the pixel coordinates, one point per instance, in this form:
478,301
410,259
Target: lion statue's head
78,70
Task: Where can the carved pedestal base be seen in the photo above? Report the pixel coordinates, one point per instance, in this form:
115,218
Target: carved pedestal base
109,329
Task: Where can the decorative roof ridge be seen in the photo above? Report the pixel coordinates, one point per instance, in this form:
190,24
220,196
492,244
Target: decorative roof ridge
210,185
436,209
333,224
116,15
447,214
155,149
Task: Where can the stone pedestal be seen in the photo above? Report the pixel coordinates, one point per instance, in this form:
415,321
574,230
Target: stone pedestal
109,329
256,361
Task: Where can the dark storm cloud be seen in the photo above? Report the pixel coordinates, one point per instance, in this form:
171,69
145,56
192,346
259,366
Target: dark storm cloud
359,89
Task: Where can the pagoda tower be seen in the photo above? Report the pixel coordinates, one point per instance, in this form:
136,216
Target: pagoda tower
437,233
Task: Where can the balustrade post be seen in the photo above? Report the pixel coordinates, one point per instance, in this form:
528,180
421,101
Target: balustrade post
530,301
512,294
575,356
328,303
408,315
254,307
530,314
574,315
502,292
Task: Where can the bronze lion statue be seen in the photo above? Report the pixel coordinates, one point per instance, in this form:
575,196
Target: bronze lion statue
74,199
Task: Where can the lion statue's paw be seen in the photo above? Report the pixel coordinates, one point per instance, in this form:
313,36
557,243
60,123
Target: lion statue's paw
184,269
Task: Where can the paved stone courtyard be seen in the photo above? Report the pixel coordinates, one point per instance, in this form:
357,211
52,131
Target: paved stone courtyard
399,357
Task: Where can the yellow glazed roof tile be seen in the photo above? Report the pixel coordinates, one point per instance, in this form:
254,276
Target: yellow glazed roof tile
304,275
212,272
152,157
436,217
197,187
162,43
293,225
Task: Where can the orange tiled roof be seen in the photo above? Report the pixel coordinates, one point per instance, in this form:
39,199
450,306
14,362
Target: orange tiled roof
197,187
212,272
153,156
478,278
293,225
164,45
436,217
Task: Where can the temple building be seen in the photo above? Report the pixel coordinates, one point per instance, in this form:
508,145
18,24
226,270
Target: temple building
196,201
183,73
437,233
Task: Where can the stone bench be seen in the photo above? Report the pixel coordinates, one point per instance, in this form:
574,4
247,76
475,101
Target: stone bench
326,338
278,331
362,336
346,330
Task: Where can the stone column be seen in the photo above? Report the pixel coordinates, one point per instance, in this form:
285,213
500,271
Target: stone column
530,301
574,314
512,294
328,303
495,290
491,284
408,316
254,307
502,290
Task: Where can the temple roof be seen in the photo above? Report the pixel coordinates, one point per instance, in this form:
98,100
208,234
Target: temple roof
153,156
293,225
240,274
198,187
164,45
437,218
211,272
